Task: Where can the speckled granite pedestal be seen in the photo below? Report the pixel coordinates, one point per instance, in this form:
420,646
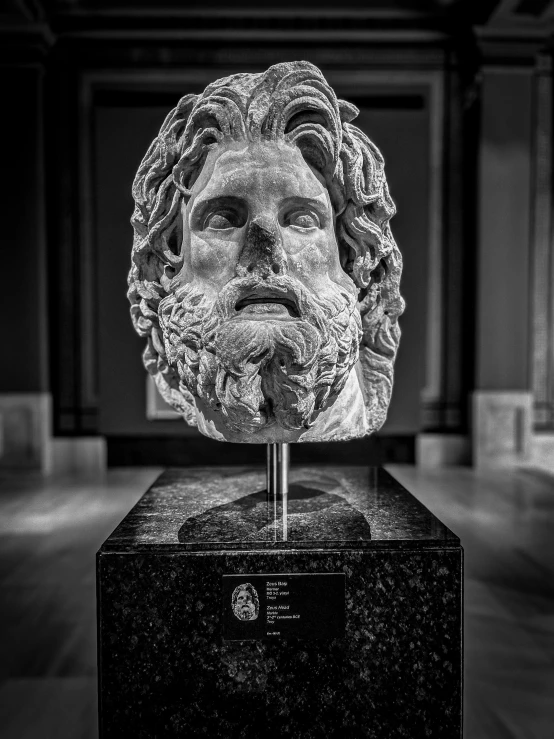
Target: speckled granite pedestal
380,658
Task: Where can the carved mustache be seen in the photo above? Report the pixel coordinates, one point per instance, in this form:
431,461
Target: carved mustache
288,291
266,295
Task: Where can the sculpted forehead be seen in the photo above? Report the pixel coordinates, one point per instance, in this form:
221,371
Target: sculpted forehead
263,168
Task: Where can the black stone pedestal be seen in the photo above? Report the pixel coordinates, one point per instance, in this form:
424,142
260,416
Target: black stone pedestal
350,628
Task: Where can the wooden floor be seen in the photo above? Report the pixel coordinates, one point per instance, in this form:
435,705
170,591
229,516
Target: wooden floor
50,531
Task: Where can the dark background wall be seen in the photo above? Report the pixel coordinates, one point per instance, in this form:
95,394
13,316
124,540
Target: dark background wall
456,96
505,209
23,293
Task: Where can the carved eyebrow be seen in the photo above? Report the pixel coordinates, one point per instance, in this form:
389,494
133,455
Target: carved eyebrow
306,201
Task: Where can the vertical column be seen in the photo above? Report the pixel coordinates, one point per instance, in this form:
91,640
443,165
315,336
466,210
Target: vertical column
542,276
542,269
501,426
444,439
24,399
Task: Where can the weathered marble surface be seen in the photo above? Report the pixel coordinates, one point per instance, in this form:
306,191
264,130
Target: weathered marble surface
264,274
165,670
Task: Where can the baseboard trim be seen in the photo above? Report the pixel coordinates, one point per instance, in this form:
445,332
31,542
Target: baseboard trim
543,452
26,441
446,450
502,428
25,430
442,450
79,455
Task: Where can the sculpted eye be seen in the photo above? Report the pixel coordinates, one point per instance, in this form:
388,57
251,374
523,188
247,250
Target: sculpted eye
219,214
220,221
303,219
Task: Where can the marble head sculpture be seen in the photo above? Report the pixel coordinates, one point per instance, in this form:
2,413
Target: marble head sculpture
245,602
265,277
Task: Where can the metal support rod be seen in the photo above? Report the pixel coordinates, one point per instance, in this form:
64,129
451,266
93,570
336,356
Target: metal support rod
278,481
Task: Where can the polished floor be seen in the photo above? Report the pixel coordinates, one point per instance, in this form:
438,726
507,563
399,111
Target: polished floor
506,524
50,531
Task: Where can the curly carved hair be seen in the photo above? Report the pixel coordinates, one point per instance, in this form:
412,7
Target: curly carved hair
290,102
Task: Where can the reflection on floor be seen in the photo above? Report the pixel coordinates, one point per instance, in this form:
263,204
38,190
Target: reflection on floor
50,531
49,534
506,524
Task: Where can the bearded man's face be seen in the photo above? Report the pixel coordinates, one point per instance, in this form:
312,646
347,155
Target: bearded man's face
244,608
262,322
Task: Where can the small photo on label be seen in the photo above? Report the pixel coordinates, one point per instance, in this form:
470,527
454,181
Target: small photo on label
245,602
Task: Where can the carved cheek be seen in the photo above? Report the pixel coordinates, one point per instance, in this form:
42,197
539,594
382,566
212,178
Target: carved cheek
307,263
213,259
329,248
312,256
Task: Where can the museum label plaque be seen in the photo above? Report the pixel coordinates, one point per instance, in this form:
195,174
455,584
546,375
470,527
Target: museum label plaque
277,606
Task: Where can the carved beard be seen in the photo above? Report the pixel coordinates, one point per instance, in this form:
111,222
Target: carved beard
258,372
245,612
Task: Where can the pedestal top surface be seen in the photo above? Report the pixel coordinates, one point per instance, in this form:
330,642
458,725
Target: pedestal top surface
328,507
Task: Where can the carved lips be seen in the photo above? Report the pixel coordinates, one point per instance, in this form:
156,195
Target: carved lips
268,303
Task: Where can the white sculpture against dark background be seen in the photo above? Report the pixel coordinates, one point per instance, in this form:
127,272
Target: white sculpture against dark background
264,275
